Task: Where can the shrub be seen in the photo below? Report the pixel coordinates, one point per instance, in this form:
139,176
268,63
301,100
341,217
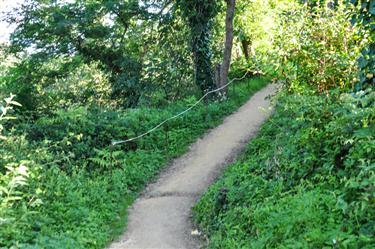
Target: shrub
317,49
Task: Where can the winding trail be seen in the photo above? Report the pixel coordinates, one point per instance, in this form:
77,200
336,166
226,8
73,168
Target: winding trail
160,218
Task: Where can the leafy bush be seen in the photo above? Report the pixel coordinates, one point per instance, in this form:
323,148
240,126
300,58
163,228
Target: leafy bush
306,181
318,49
365,17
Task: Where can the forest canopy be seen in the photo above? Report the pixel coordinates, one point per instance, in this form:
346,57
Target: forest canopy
142,48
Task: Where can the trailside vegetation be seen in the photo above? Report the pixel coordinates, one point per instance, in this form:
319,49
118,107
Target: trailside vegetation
62,187
307,180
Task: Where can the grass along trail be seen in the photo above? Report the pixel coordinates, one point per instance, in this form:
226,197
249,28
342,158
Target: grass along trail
160,218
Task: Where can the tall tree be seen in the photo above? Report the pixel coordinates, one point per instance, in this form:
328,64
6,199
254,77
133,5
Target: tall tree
224,69
199,15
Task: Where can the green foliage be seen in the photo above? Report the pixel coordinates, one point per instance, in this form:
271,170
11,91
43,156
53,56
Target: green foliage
93,30
365,17
132,48
255,25
306,181
61,87
168,69
318,49
4,115
199,15
314,46
254,22
59,186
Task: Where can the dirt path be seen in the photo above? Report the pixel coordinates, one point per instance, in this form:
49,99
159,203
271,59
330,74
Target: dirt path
160,218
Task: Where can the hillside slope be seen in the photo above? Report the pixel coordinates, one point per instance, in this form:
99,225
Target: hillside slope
306,181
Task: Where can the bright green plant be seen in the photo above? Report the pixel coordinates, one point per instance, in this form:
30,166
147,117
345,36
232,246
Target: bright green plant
4,115
317,49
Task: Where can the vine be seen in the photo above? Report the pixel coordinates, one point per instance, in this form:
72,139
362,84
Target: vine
199,15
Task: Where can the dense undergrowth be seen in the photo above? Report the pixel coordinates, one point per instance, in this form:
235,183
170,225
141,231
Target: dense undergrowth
306,181
59,187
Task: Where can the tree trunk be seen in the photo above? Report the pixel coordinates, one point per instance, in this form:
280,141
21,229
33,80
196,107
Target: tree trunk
228,43
245,48
217,75
199,14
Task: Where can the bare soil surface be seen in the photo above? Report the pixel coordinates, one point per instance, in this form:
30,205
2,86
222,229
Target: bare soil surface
161,217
